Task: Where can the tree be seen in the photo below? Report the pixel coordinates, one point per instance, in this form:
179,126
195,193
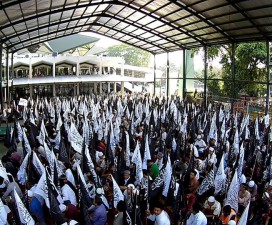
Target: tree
132,55
250,59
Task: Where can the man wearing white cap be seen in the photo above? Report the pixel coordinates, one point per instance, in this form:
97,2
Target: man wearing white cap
200,145
252,188
212,209
211,156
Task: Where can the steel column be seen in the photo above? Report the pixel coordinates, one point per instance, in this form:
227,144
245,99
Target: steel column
167,75
12,74
7,74
205,75
267,77
154,92
233,47
184,75
1,71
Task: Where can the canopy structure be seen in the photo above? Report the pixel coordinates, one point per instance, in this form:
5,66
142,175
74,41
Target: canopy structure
155,26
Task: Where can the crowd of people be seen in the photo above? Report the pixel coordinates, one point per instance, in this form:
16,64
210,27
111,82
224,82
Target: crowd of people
134,159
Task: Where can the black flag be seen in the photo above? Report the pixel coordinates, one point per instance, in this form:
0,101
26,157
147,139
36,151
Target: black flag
55,211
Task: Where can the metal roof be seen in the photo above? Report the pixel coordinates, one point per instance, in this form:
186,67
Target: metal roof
156,26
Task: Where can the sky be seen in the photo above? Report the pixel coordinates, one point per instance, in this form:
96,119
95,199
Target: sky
174,57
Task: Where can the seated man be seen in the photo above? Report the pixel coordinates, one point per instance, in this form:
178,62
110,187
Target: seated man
188,202
193,183
212,209
227,215
244,198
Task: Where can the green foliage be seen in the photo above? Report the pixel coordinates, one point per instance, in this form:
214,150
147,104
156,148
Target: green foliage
250,59
132,56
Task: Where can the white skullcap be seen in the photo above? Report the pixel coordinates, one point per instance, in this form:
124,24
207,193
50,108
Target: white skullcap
198,136
232,222
211,199
73,222
251,183
62,207
131,186
99,191
100,154
29,193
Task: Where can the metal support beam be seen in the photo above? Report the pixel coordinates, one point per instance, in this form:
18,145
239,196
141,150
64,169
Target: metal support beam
184,75
12,74
267,77
167,76
154,92
1,71
233,47
7,74
205,75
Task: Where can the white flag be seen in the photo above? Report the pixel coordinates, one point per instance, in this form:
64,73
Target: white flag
167,178
220,178
146,153
241,162
21,174
243,218
232,195
59,124
27,145
37,163
3,172
22,102
117,193
42,189
19,130
3,213
75,138
236,142
266,120
43,133
257,134
137,160
127,149
24,215
207,183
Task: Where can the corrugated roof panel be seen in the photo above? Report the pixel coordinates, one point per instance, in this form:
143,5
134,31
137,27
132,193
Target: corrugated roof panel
163,29
43,5
8,31
154,38
28,7
58,3
226,19
195,22
43,19
187,20
14,13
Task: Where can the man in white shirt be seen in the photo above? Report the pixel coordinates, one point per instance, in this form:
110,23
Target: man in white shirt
160,216
200,145
212,209
197,217
67,192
